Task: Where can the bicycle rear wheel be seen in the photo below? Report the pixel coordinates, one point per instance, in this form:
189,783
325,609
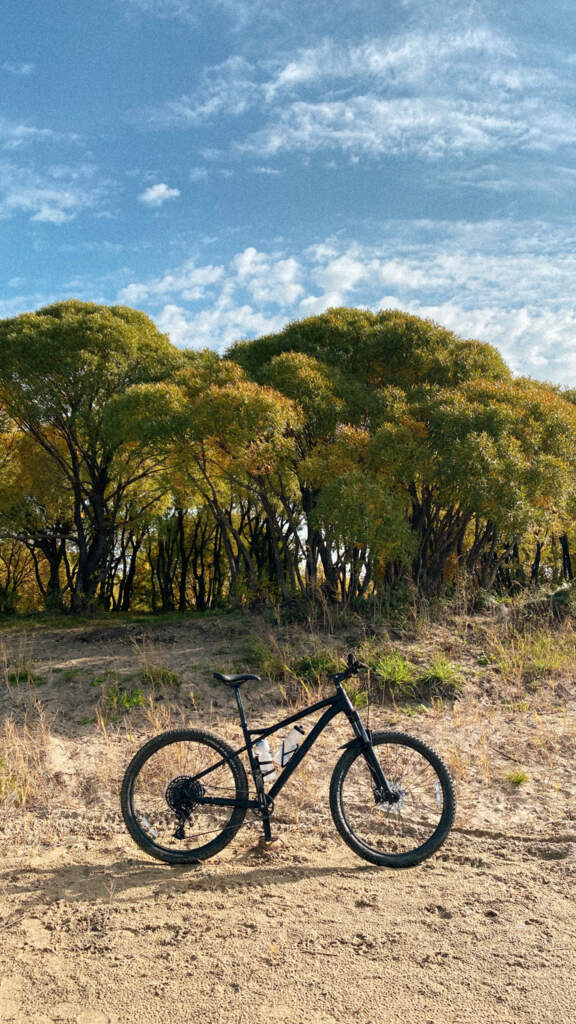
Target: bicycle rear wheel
162,798
400,834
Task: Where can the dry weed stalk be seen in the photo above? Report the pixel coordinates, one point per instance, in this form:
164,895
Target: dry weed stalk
24,779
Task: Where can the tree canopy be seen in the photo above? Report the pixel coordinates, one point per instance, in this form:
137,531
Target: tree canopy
342,456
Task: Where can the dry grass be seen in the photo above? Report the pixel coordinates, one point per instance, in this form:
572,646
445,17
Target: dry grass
491,695
531,658
24,779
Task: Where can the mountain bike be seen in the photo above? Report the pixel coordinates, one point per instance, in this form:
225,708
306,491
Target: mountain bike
185,793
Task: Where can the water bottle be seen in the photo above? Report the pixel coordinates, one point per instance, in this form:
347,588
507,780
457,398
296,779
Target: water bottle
264,755
289,745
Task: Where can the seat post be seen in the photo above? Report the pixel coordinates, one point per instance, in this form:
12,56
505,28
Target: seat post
243,721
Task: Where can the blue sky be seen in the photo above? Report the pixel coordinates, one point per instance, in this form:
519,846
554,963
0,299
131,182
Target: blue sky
231,165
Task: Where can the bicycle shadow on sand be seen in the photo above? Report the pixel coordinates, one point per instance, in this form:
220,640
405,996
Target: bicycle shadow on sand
132,880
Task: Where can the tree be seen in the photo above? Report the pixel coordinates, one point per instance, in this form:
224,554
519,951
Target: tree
59,370
352,370
481,465
217,432
36,511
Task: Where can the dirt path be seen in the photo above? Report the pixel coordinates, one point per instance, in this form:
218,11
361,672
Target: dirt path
305,933
302,932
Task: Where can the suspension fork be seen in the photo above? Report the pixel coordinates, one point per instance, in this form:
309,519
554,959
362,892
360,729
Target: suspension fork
364,741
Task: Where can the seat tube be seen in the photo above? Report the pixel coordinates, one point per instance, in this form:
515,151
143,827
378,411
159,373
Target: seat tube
246,734
240,708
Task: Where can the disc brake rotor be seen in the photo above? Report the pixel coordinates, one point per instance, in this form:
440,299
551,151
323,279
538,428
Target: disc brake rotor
386,805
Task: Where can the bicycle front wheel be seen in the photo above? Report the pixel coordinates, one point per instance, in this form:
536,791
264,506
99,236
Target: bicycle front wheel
403,833
164,792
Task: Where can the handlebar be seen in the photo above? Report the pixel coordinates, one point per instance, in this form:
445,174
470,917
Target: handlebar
352,669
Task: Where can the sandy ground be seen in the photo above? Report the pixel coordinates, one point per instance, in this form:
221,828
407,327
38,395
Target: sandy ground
301,932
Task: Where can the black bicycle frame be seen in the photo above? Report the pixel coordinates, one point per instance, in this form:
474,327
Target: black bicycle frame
339,703
335,705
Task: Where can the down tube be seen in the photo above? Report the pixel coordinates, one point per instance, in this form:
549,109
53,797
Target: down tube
303,749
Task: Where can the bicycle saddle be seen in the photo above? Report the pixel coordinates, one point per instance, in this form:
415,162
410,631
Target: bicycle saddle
235,680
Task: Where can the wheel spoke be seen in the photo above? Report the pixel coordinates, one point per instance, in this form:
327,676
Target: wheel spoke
167,810
404,831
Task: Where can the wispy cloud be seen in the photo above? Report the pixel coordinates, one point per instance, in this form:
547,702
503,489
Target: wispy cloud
157,195
55,196
364,124
462,93
228,89
14,67
14,134
181,10
240,12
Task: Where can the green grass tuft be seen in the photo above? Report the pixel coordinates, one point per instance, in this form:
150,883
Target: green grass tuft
159,675
117,701
516,777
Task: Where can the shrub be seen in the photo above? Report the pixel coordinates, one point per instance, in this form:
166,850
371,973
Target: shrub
159,675
441,679
315,668
117,701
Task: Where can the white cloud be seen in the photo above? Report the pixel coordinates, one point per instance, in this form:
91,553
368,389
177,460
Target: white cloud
218,326
342,274
504,283
15,67
268,279
156,195
189,283
466,92
54,197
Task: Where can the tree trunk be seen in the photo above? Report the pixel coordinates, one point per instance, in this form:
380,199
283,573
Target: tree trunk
566,560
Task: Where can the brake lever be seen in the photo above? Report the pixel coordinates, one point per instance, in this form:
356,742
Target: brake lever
355,666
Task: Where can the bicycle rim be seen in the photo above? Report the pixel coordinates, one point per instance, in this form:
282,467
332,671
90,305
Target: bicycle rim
415,825
161,796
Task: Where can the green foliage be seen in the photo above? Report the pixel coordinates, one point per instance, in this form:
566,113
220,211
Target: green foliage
395,675
72,356
60,370
315,668
22,675
159,675
352,456
396,678
441,678
357,693
264,658
116,700
516,777
389,347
